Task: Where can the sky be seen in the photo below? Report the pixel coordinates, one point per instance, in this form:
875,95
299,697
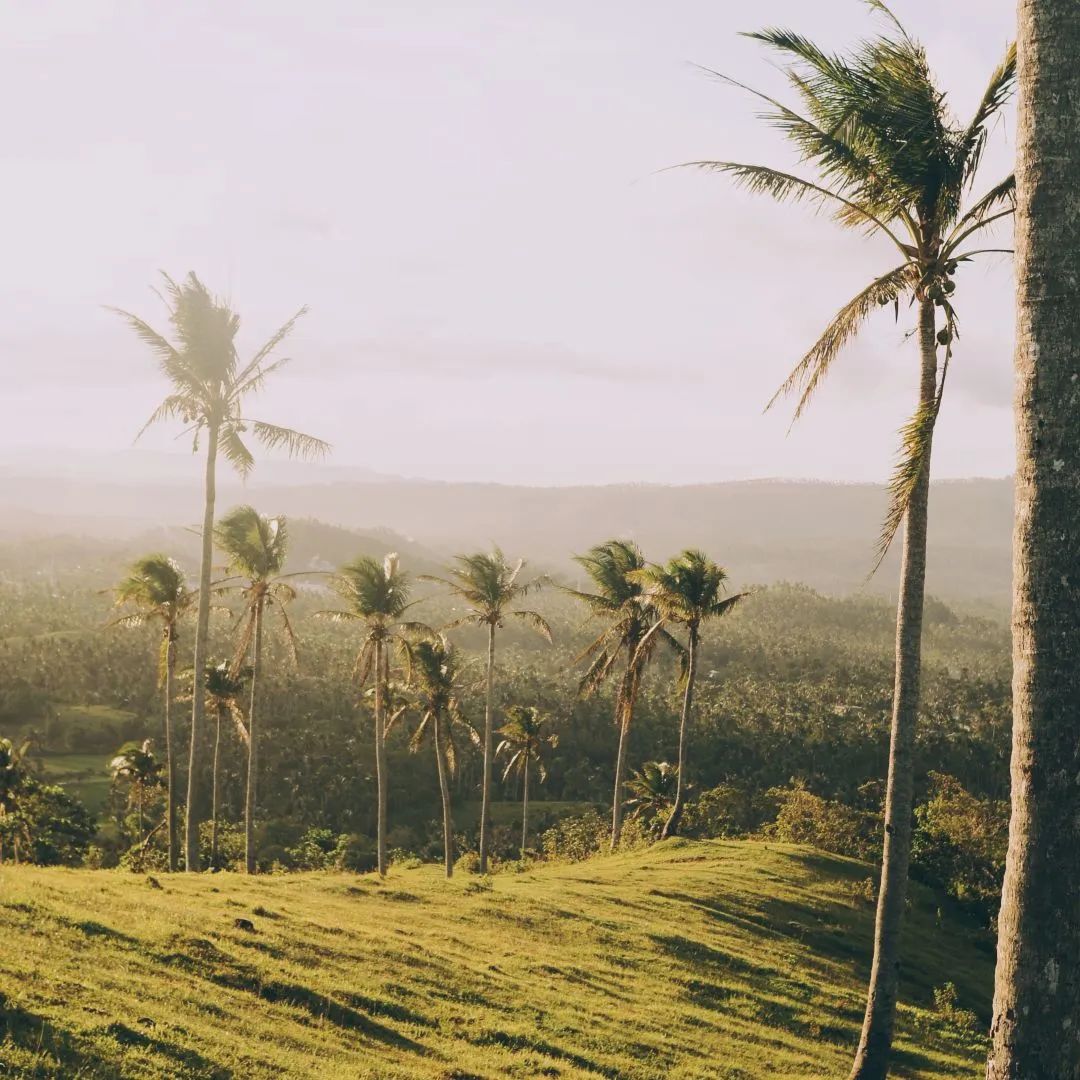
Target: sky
504,284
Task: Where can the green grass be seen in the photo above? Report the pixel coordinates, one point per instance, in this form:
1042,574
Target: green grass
688,961
85,776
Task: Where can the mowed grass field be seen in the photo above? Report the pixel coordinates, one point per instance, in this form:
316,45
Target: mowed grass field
689,960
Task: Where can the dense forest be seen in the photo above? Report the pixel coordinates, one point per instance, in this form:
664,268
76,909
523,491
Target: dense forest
790,736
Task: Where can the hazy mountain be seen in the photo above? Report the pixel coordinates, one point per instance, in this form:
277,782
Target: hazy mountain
817,533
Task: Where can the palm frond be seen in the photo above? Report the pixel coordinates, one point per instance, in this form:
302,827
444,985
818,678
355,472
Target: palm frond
295,443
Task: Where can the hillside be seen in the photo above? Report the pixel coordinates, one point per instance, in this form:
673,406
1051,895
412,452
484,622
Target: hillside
700,960
764,531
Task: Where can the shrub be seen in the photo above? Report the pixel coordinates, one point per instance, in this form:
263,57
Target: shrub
724,811
805,818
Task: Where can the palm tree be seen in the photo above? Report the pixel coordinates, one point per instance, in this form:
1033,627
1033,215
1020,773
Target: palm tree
1037,991
652,789
619,600
435,676
891,161
689,591
377,594
224,688
523,741
488,585
136,765
256,547
209,386
156,588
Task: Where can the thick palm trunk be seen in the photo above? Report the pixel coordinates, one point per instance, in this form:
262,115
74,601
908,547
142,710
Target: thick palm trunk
525,806
1036,1029
202,630
485,796
624,712
444,790
671,826
875,1044
170,757
253,744
380,762
214,773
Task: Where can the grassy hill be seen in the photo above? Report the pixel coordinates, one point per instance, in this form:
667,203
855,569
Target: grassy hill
732,960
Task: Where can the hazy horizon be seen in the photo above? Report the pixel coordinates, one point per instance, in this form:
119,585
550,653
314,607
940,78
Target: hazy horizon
502,285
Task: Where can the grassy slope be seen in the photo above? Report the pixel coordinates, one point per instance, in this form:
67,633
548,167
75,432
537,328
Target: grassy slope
690,960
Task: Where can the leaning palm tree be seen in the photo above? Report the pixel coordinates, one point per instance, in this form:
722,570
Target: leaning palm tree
891,161
136,766
1037,988
435,677
256,547
156,589
523,743
377,595
652,791
488,586
628,616
224,689
209,387
689,591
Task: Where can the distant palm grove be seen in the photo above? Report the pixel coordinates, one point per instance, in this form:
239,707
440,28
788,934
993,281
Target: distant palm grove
268,694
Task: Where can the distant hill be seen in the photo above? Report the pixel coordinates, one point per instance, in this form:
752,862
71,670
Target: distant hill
765,531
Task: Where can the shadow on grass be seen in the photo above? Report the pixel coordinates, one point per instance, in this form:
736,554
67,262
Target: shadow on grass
540,1046
59,1052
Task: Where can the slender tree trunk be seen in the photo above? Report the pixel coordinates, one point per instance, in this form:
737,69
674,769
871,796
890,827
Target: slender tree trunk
875,1043
170,757
624,711
525,806
444,790
214,773
485,796
253,743
380,760
1036,1029
202,629
671,826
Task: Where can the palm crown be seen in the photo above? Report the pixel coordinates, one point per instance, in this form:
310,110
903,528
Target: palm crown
892,160
209,382
689,589
488,585
524,738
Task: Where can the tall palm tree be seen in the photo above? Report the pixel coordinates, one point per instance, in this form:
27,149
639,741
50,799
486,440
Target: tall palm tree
156,588
688,590
209,386
523,743
435,677
652,790
377,595
1037,991
257,547
628,616
224,689
136,765
488,586
891,161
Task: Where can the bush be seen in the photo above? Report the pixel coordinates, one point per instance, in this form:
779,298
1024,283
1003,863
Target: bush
805,818
58,827
724,811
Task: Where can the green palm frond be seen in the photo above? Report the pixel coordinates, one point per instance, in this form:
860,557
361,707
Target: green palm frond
235,450
296,443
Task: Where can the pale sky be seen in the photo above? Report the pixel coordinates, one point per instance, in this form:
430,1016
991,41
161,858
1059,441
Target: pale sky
502,285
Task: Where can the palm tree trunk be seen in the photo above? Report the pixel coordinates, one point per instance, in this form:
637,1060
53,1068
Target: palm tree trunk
253,744
170,758
485,794
525,805
380,760
671,826
624,710
202,630
444,790
214,791
875,1043
1037,993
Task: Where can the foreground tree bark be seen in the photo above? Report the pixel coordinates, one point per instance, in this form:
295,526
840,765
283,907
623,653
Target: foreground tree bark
485,783
875,1043
170,751
1036,1029
202,630
253,745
